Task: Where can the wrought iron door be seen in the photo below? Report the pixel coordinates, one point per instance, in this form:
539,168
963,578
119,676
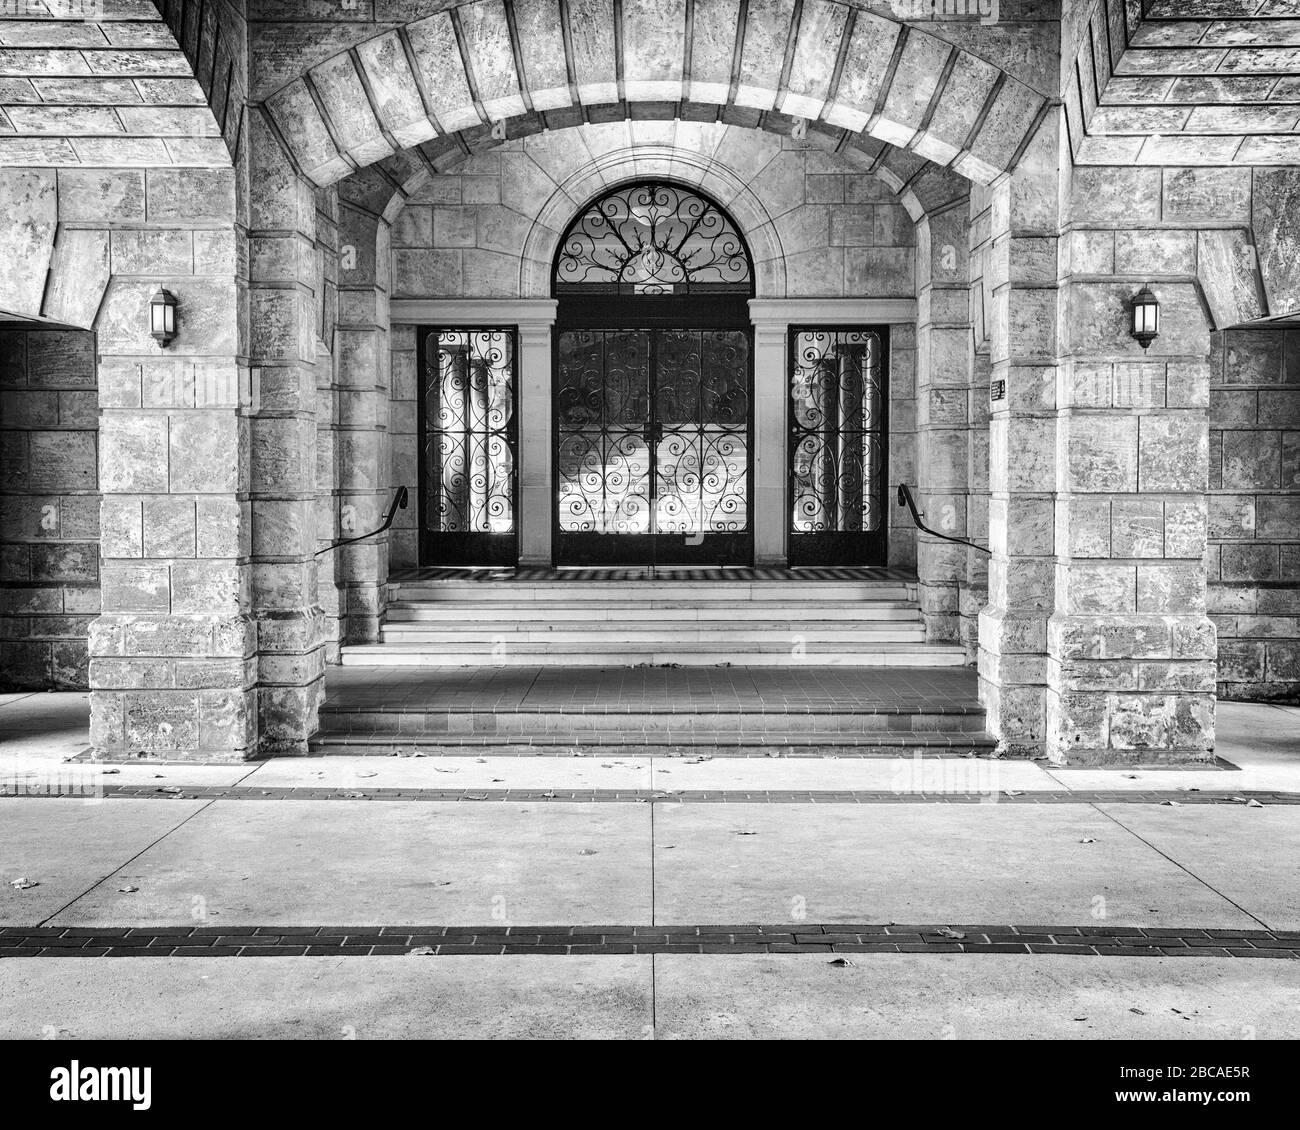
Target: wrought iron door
468,447
838,426
653,446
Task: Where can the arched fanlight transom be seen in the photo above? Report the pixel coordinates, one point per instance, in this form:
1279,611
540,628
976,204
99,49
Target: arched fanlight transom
653,238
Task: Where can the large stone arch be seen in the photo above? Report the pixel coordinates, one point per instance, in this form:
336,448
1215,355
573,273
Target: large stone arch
486,69
371,209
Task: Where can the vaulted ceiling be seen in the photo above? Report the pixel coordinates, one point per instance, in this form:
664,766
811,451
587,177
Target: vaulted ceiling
115,90
1187,82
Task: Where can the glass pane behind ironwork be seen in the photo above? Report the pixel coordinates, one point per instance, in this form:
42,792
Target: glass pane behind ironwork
653,431
469,422
653,238
836,425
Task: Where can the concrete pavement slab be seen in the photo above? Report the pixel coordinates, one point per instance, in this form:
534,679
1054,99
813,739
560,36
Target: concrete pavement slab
1261,740
880,863
1251,855
454,773
327,998
428,863
894,774
969,996
66,846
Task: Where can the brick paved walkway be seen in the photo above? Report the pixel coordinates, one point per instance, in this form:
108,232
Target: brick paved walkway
448,941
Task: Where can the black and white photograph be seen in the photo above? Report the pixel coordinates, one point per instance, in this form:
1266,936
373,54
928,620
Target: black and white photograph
688,520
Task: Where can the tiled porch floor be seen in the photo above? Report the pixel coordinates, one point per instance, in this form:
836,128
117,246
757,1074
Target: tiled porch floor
678,689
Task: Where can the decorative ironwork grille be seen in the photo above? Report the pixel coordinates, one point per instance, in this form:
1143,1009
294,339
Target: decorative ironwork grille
652,443
469,443
653,238
837,444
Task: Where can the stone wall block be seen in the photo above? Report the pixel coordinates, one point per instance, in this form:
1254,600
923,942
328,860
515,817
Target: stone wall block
1137,527
1102,454
1174,453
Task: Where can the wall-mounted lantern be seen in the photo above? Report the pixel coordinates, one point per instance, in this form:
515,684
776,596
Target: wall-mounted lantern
162,317
1146,317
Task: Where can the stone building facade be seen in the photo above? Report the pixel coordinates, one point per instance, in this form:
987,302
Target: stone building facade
312,181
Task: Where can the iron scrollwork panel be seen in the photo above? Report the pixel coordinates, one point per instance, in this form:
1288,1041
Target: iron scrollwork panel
837,446
469,446
653,238
602,406
702,406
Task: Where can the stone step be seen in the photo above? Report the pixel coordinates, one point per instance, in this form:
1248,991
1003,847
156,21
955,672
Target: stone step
883,746
557,726
720,634
456,612
861,653
639,592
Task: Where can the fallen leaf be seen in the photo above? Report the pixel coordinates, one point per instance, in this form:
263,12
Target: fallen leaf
1012,792
586,851
840,961
127,890
747,833
1253,803
23,884
948,932
1137,1011
1087,840
172,789
367,774
1173,804
355,796
421,951
111,772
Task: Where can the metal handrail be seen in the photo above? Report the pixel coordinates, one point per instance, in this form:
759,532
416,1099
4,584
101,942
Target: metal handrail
398,503
905,499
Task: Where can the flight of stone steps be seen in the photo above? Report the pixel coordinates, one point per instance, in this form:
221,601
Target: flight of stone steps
655,622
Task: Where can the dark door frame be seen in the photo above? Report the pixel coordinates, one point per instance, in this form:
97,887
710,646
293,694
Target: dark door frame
473,548
838,547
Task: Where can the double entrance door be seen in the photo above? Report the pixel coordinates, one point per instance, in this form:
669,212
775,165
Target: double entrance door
653,442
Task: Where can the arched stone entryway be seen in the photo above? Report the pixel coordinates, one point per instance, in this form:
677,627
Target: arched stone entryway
1081,425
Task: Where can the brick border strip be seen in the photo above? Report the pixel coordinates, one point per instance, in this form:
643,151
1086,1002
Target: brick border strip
654,796
373,941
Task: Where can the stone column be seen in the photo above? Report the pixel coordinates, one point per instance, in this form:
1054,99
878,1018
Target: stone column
1020,289
363,460
332,596
1131,668
771,375
944,361
172,656
282,302
536,501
